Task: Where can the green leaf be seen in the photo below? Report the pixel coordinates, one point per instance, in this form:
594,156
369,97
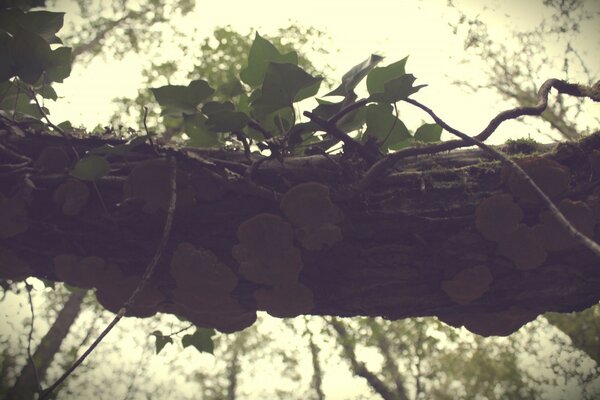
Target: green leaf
429,133
43,23
356,74
91,168
231,88
283,86
194,125
48,92
402,144
384,126
377,78
175,99
397,89
30,55
58,66
7,69
262,52
212,107
349,122
66,125
161,340
201,340
227,121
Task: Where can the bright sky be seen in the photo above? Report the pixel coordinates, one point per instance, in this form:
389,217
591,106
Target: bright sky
392,28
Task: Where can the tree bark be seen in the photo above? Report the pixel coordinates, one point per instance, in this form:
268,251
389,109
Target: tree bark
25,385
388,254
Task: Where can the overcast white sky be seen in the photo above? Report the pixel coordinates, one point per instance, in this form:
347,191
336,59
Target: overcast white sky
394,28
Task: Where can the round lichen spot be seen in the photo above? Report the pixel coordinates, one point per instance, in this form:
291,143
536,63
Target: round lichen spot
201,271
52,159
71,196
150,181
497,217
12,267
146,304
468,285
285,301
309,207
266,252
13,217
554,236
523,248
493,323
552,177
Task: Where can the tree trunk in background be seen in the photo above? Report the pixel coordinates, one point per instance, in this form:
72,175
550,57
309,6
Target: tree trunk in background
360,369
26,386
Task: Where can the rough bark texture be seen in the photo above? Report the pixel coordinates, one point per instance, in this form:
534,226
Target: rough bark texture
387,251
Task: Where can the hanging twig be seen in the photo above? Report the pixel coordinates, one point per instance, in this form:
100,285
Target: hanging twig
143,282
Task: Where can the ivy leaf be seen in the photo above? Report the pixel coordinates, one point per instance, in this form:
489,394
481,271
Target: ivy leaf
212,107
397,89
194,126
429,133
161,340
175,99
91,168
30,54
231,88
201,340
356,74
59,63
262,52
43,23
227,121
48,92
384,126
7,69
283,85
377,78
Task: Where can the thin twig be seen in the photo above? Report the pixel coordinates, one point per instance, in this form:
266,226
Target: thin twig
346,110
144,280
29,338
57,128
556,213
561,86
370,155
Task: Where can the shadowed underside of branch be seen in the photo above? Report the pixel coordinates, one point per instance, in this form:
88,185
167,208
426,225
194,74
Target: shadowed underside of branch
407,246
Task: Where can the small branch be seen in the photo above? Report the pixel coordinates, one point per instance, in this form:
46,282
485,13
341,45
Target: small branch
148,135
29,338
346,110
556,213
333,130
563,87
143,282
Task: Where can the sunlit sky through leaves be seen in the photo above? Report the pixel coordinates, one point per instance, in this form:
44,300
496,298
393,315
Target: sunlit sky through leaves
420,29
